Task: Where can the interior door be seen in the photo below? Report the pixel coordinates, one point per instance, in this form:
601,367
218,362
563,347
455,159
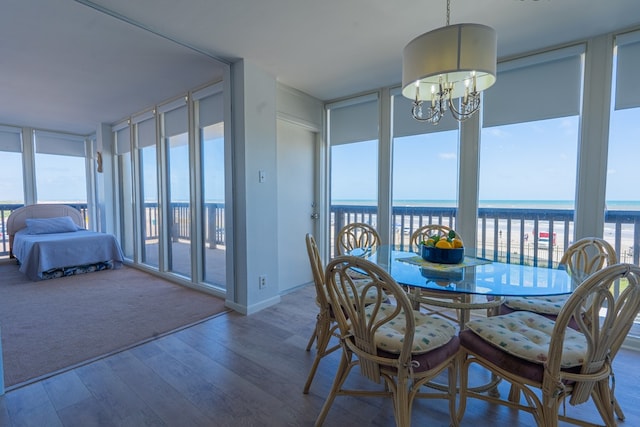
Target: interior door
296,202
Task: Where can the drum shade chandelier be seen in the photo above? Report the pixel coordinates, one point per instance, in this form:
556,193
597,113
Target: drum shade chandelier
449,63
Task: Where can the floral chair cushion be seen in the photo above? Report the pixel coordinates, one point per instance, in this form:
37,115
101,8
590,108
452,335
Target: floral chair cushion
541,304
430,332
527,335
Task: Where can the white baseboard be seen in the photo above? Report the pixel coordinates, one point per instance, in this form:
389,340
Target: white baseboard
249,310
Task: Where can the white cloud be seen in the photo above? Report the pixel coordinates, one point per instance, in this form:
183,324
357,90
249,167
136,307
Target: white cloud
448,156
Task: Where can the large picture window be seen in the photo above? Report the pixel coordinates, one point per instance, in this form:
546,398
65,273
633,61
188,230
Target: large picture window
11,190
622,195
61,170
528,157
425,172
353,137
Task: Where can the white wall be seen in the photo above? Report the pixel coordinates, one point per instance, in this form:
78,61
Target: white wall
255,207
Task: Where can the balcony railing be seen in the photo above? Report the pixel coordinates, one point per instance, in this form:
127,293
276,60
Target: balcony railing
214,232
504,234
181,218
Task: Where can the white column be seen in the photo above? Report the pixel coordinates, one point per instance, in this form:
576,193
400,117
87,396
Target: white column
469,153
594,138
385,155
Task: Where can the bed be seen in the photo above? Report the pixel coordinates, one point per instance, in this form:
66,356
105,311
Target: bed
49,240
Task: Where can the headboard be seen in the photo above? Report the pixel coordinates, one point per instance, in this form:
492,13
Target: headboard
16,220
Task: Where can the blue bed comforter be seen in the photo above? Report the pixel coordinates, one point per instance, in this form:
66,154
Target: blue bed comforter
39,253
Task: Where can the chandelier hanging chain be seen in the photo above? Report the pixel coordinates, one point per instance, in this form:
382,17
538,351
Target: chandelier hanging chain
448,11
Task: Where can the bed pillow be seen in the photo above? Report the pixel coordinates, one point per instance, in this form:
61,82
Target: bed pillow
61,224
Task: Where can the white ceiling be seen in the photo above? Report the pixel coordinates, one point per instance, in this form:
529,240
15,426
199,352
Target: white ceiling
72,64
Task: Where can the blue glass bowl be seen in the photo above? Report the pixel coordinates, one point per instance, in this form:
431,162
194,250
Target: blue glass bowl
442,256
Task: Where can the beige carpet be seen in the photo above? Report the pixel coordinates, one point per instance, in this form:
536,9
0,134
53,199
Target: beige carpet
55,324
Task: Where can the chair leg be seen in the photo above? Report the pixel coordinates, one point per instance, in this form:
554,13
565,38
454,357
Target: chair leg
322,334
313,337
341,376
401,404
312,373
601,398
618,409
514,393
453,390
463,371
547,412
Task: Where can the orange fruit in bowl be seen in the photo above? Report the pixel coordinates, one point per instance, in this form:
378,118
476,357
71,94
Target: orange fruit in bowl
444,244
457,243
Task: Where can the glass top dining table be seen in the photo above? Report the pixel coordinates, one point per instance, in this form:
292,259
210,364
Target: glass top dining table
475,276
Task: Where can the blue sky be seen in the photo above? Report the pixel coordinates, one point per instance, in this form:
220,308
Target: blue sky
529,161
526,161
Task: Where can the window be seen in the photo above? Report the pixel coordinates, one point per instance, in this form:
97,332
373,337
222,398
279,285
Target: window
11,190
425,172
622,195
11,186
211,134
176,141
125,200
61,169
145,133
528,157
353,137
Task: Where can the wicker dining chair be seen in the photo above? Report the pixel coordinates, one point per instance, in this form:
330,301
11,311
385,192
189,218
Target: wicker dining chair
389,342
581,259
325,321
424,232
326,325
550,361
357,238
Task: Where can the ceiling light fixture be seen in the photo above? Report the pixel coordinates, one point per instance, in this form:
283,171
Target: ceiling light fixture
451,62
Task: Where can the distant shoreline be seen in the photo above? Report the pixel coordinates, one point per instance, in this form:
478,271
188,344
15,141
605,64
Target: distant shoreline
513,204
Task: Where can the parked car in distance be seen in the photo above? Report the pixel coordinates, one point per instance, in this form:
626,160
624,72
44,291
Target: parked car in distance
543,239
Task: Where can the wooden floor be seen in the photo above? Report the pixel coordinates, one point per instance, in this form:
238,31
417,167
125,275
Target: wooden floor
239,370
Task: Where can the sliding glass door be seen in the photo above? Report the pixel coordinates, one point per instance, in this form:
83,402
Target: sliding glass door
210,108
148,184
125,195
178,211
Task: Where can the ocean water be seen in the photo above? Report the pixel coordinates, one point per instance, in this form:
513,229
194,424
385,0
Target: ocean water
631,205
